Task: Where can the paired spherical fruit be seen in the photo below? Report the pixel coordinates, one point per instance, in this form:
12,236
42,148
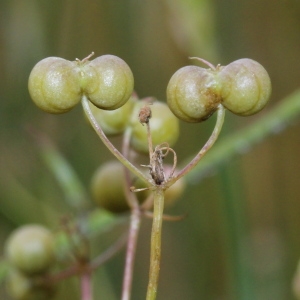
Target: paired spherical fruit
243,87
56,85
246,87
30,249
114,122
164,126
108,83
193,93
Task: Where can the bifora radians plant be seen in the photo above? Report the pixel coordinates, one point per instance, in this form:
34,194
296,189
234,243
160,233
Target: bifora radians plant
105,87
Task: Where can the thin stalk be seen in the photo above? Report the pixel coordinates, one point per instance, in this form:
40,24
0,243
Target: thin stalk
155,254
86,286
135,221
134,227
212,139
107,143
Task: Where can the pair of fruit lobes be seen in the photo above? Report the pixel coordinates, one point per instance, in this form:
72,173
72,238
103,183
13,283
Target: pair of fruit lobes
243,87
30,253
56,85
164,125
107,188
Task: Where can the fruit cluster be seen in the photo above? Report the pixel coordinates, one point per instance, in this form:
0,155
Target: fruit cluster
56,85
30,253
243,87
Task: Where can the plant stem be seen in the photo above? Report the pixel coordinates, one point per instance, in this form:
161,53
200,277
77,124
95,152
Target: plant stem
155,243
212,139
135,220
86,286
107,143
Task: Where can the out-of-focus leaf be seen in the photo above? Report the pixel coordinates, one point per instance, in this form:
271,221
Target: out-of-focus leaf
22,203
192,24
3,270
73,189
242,141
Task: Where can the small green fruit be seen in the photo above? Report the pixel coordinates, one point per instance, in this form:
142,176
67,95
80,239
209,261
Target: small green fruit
107,81
113,122
30,249
107,187
246,87
54,85
193,93
164,127
21,287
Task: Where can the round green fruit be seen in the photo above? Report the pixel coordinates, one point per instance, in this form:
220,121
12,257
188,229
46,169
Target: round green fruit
54,85
246,87
30,249
193,93
107,187
113,122
21,287
107,81
164,127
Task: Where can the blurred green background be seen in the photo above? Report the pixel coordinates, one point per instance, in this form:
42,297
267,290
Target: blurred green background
241,238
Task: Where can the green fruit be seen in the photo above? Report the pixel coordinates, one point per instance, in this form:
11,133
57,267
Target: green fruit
107,81
246,87
21,287
193,93
30,249
107,188
54,85
113,122
164,127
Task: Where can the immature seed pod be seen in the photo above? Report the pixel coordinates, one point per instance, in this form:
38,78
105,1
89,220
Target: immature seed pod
113,122
193,93
164,126
54,85
107,81
107,187
30,249
22,287
246,87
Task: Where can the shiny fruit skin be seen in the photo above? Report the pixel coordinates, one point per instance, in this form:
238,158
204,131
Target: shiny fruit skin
54,85
193,93
107,81
113,122
246,87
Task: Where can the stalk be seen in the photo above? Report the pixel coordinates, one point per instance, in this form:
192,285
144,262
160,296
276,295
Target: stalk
107,143
210,142
155,254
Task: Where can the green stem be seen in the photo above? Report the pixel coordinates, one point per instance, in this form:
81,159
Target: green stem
212,139
108,144
155,243
272,122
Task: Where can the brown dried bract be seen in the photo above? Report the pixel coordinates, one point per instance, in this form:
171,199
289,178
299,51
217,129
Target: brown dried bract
145,114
